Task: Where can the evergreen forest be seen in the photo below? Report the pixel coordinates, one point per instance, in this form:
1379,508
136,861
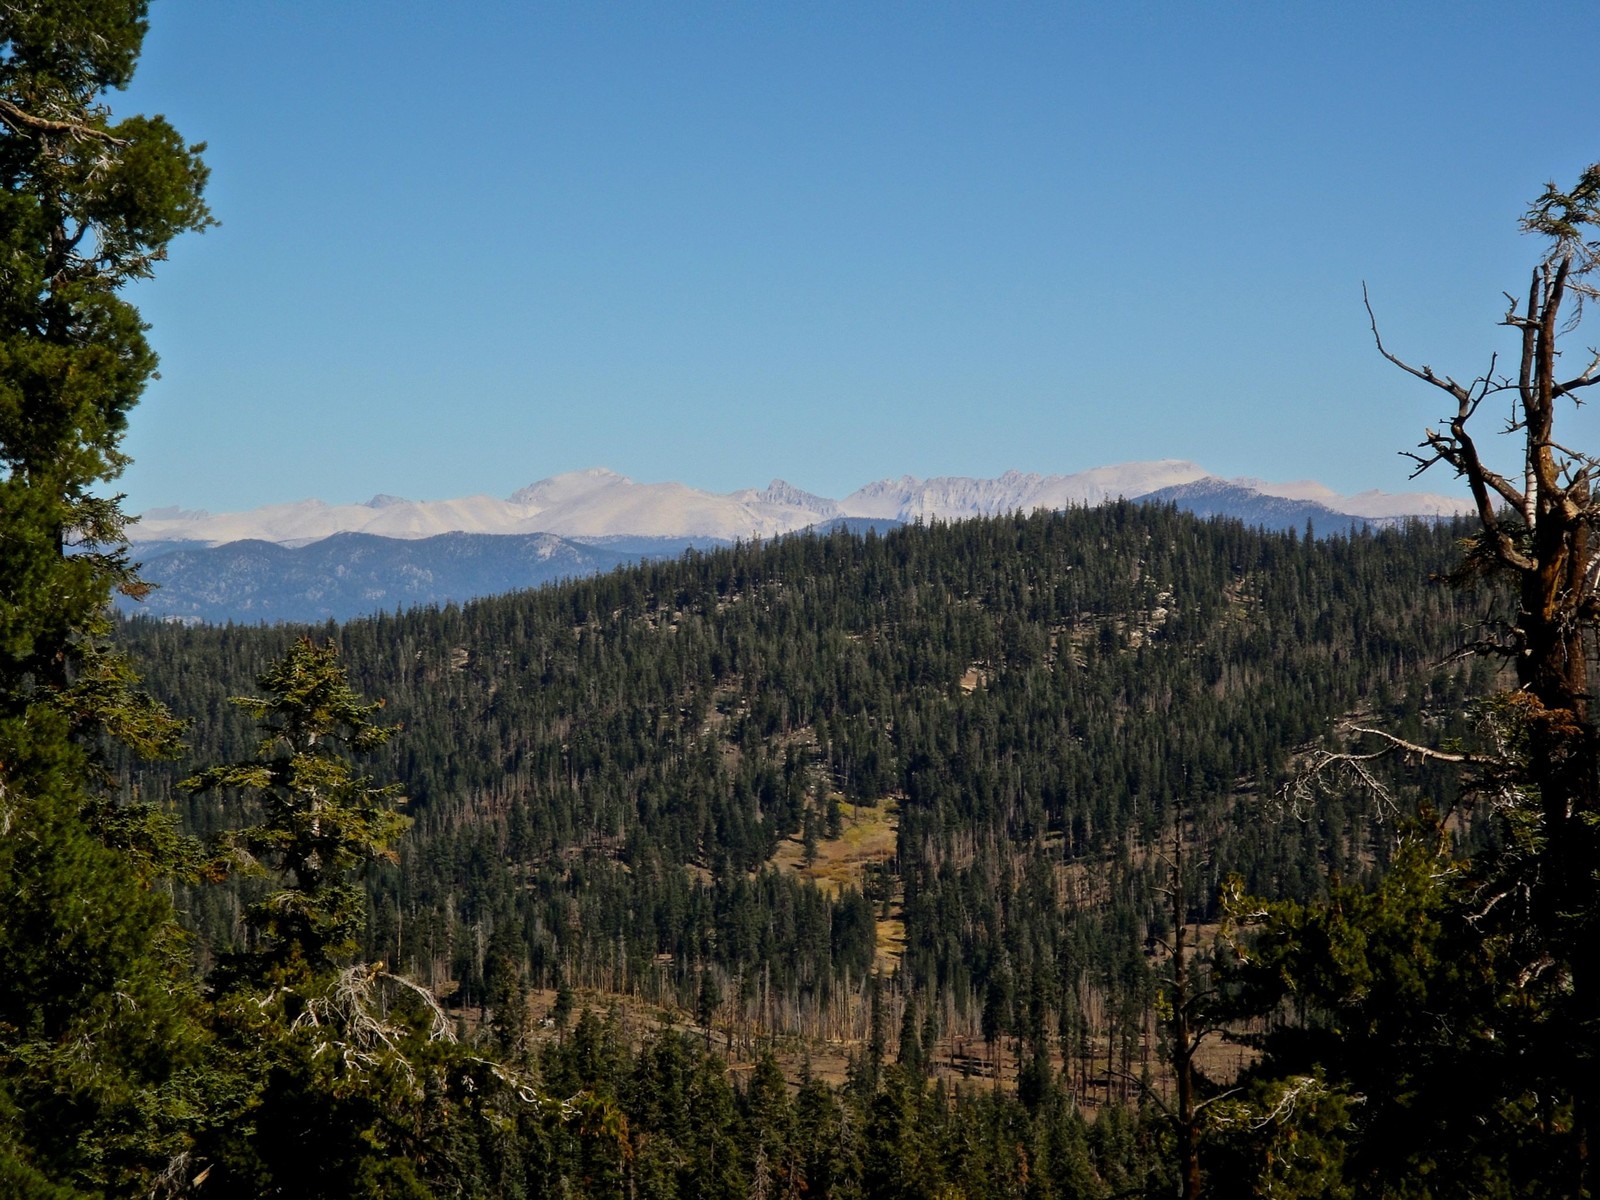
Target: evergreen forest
1090,854
603,777
625,793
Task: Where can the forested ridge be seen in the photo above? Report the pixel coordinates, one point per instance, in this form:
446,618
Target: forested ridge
600,774
1103,853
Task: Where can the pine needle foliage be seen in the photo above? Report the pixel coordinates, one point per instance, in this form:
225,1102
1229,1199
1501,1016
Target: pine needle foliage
99,1028
321,822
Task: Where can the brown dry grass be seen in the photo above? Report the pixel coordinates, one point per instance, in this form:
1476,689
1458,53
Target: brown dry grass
869,837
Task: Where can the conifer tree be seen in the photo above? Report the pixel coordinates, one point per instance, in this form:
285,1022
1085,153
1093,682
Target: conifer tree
96,1018
1455,1004
320,821
338,1089
87,205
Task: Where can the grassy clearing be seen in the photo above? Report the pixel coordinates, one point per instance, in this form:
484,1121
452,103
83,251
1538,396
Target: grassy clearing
868,838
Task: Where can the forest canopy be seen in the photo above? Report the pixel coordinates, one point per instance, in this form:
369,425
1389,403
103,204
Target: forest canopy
1096,853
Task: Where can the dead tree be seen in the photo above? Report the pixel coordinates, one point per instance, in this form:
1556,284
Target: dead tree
1185,1037
1193,1015
1534,534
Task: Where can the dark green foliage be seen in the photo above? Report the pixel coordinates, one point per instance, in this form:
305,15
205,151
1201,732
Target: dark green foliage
86,205
320,822
1399,1031
98,1018
606,767
505,993
683,1129
344,1078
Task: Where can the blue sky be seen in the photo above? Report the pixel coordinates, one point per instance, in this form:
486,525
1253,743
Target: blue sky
467,246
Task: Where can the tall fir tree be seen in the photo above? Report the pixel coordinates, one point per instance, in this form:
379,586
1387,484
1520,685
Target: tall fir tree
320,823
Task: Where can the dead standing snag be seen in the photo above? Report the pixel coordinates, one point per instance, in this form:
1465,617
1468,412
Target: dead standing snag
1534,535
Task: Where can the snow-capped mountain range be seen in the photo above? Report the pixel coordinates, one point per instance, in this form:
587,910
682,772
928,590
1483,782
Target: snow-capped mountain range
601,504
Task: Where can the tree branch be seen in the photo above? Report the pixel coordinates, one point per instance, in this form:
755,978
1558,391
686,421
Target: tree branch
1424,373
1428,752
1588,377
23,121
1458,449
1210,1100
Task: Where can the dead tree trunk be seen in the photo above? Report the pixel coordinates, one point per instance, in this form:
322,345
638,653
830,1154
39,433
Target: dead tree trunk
1186,1117
1534,531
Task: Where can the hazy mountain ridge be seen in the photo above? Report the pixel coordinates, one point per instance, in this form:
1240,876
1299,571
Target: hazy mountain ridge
1217,498
599,503
350,575
356,574
302,562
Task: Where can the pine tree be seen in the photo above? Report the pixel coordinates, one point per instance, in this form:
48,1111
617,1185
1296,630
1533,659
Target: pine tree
320,822
344,1072
87,205
97,1027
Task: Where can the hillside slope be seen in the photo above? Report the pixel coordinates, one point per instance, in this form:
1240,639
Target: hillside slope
635,772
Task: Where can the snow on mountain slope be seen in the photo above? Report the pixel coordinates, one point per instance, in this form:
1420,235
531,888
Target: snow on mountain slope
781,495
1373,503
950,498
571,487
653,510
591,503
601,503
311,520
598,503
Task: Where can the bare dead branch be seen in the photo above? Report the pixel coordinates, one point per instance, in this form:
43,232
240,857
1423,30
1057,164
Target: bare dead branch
1301,792
1534,969
1210,1100
1424,373
22,121
1301,1087
1457,447
1427,752
1589,376
1354,769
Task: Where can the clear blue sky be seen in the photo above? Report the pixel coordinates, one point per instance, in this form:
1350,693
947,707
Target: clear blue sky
467,246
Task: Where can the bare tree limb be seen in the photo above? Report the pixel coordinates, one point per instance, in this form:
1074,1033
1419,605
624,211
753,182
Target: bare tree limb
1587,378
23,121
1427,752
1458,449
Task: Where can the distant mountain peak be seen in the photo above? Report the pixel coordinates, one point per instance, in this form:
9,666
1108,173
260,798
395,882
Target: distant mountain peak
781,492
600,503
173,512
561,488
